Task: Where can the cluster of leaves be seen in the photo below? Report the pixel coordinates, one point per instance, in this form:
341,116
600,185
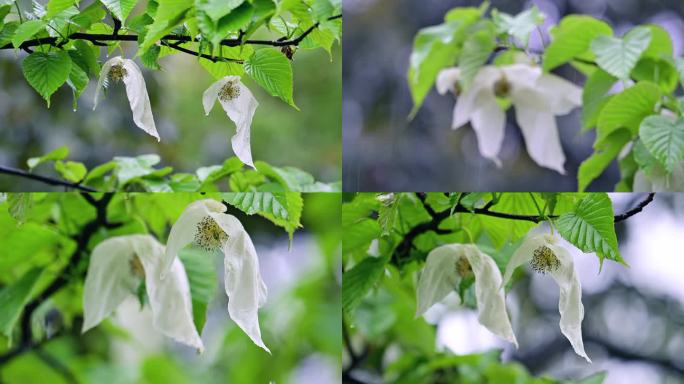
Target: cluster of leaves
41,227
139,174
630,96
69,38
387,238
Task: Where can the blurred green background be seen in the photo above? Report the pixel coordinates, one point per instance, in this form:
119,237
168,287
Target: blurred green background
300,323
282,136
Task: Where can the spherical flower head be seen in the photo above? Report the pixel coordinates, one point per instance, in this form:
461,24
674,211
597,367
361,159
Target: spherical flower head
229,91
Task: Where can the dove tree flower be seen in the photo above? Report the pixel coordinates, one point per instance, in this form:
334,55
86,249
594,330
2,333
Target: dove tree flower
117,268
658,180
537,97
239,104
206,224
545,255
447,266
118,69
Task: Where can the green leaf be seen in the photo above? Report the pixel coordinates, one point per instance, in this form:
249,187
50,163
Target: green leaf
519,26
129,168
283,209
13,298
199,267
56,6
572,38
26,30
78,78
436,48
216,9
627,110
19,203
120,8
272,70
477,48
619,56
357,281
664,138
591,227
658,71
57,154
169,14
661,43
46,72
293,179
594,166
259,202
594,96
71,170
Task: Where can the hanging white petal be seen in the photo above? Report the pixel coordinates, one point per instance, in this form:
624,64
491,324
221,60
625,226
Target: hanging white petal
545,255
239,104
206,224
537,97
447,265
658,180
120,69
118,266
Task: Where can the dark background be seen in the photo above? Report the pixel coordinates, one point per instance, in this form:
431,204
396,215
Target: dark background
383,151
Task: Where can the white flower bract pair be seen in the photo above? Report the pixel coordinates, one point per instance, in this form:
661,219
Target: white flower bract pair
545,255
538,97
117,268
206,223
446,266
239,104
120,69
235,98
120,264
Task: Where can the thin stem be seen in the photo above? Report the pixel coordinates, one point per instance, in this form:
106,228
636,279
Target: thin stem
44,179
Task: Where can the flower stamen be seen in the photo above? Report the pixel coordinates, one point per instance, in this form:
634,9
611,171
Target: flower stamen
463,268
209,235
229,91
502,88
117,73
136,267
544,260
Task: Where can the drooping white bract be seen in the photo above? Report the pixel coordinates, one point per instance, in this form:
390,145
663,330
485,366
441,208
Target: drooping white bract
205,223
119,69
240,105
538,97
658,180
447,265
545,255
119,265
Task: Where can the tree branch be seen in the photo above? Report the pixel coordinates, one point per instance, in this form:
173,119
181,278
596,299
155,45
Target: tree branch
404,247
44,179
63,277
100,37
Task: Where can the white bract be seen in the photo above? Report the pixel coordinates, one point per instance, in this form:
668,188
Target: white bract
658,180
205,223
240,105
447,265
119,69
538,97
545,255
117,268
